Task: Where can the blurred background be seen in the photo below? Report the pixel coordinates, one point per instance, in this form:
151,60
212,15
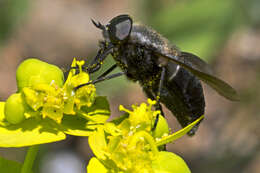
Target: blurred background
225,33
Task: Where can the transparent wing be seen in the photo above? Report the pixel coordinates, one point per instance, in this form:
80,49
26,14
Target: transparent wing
202,70
196,62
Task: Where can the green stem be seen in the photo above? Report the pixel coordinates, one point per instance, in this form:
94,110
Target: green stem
29,159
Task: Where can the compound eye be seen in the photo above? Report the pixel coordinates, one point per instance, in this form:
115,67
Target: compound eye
119,28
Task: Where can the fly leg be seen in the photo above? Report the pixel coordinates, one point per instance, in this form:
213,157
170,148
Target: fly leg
103,76
101,79
95,65
158,105
107,71
156,97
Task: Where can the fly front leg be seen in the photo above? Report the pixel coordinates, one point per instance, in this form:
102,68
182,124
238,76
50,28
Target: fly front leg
95,65
107,71
101,79
103,76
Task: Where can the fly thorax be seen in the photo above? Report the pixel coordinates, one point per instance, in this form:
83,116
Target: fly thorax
120,60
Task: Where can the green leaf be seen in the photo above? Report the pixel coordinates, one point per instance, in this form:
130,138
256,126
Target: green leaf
90,119
29,132
9,166
77,126
178,134
95,165
99,112
167,162
120,119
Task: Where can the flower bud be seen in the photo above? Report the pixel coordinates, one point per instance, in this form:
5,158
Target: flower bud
32,72
15,108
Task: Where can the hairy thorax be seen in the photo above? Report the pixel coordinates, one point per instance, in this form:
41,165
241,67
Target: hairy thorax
138,63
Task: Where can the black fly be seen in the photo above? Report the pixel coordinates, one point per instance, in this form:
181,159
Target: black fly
165,73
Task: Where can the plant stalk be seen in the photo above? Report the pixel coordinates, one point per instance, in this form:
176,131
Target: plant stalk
29,159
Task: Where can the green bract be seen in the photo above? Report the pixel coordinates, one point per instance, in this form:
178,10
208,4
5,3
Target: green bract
167,162
45,109
162,128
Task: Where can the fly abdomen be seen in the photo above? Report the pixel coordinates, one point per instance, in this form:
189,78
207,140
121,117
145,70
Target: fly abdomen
185,98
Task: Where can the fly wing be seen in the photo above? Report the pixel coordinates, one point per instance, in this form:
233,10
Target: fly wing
200,69
196,62
152,40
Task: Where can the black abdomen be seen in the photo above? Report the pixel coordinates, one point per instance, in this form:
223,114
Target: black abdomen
183,96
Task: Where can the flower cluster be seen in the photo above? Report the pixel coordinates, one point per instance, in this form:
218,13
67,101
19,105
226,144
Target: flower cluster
46,108
50,107
129,144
